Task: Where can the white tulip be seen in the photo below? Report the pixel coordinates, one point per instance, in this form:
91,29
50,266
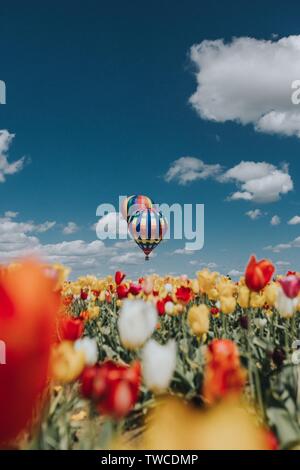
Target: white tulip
159,363
260,322
169,307
136,323
285,306
168,287
89,347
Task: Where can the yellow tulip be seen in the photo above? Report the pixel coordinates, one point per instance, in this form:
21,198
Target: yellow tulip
175,425
76,289
257,300
206,280
228,304
243,297
213,294
67,364
178,309
226,288
102,296
198,319
195,286
94,311
271,294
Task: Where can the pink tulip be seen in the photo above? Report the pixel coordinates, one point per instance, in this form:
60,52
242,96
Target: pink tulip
290,286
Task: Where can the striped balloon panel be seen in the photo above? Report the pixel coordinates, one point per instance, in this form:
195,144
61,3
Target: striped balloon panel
147,225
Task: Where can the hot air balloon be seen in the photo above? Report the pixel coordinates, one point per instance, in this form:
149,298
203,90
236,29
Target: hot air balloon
147,228
132,204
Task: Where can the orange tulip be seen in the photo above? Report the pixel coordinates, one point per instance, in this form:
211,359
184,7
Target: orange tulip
223,372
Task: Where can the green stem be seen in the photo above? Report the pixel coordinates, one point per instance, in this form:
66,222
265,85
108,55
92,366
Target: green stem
224,325
259,392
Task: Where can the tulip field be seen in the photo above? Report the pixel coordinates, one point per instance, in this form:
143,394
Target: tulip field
153,363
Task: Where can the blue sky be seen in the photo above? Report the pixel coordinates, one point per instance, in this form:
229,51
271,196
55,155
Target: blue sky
98,99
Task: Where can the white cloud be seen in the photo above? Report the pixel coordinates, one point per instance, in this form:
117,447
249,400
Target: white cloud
7,168
275,220
282,263
44,227
254,214
248,81
74,248
18,240
70,228
183,251
284,246
235,273
201,264
9,227
294,220
11,214
210,265
188,169
77,254
258,181
134,257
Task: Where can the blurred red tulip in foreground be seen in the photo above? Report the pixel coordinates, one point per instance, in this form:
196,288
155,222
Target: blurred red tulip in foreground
28,307
113,387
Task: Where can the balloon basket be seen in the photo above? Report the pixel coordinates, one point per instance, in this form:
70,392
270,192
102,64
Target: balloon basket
146,258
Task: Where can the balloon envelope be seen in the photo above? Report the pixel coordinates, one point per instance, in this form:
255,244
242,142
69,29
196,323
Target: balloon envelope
147,228
132,204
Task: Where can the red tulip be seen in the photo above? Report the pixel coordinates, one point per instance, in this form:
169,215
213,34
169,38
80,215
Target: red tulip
184,294
119,277
135,289
83,295
113,387
70,328
28,309
87,381
160,306
122,291
214,310
258,274
290,286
